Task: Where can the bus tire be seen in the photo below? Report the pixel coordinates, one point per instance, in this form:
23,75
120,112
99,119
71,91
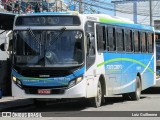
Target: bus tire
39,104
137,94
97,100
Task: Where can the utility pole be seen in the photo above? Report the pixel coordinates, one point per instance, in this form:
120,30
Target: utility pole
61,6
135,7
80,6
135,11
150,9
125,1
56,5
114,9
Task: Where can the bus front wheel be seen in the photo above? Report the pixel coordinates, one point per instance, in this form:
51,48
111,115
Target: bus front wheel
97,100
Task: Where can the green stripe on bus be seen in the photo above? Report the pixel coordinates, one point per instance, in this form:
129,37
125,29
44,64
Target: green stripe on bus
104,20
125,59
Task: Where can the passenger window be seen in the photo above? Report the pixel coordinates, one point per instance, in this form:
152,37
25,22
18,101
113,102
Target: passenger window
150,41
136,41
105,37
143,38
146,37
131,38
111,38
120,39
100,38
128,40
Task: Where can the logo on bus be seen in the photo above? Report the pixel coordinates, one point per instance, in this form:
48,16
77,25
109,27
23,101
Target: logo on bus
114,67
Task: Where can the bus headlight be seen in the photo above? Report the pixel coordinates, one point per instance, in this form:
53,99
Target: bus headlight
79,79
17,82
14,79
74,82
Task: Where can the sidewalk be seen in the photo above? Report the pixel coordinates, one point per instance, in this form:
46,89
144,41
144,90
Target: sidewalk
7,103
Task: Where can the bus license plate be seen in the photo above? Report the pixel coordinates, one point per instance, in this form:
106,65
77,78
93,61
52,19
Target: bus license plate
44,91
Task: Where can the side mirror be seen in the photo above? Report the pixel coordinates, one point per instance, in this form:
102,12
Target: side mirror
5,45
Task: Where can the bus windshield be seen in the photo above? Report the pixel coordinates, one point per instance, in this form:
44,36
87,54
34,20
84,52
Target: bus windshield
48,48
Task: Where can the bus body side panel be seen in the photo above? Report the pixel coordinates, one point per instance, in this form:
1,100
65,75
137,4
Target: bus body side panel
91,81
121,71
92,76
113,71
128,74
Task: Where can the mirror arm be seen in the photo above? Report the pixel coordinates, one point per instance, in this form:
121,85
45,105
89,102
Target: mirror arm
6,43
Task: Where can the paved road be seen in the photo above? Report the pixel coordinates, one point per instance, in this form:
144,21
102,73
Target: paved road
150,101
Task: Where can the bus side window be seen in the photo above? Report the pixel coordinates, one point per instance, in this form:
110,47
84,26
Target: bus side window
153,40
100,38
139,41
120,39
128,40
143,37
111,38
150,41
146,39
136,49
132,40
105,34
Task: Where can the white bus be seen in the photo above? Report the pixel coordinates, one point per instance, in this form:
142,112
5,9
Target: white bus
70,55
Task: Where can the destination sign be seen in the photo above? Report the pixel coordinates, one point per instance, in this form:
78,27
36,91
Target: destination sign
47,21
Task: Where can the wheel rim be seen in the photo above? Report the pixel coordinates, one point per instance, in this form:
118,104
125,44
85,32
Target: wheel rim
99,95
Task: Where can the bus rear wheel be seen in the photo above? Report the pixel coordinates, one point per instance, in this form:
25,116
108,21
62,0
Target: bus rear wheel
97,100
137,94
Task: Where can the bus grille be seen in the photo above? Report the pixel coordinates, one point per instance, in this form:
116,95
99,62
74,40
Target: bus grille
53,90
49,73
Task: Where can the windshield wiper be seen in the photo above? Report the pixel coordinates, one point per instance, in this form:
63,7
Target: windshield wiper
57,37
33,35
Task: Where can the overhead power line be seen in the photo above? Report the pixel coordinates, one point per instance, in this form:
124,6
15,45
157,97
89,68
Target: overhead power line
112,9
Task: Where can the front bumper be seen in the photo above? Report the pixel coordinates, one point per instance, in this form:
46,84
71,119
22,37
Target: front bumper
77,91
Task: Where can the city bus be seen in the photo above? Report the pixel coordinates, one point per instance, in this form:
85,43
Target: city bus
68,55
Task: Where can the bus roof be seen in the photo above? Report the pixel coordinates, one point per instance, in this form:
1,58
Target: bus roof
124,22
